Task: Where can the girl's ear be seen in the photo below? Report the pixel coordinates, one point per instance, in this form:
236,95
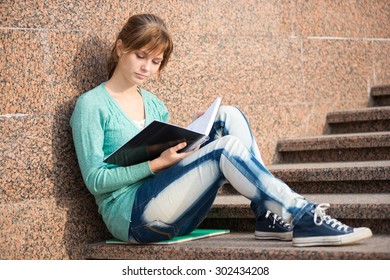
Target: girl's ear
119,48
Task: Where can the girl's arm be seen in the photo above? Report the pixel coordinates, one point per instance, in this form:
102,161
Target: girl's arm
88,124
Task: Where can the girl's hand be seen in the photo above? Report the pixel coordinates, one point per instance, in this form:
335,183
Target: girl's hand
169,157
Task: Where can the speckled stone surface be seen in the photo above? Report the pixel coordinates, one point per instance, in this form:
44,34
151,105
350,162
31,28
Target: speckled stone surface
350,19
243,246
23,84
54,228
327,64
44,71
284,63
38,159
60,15
382,61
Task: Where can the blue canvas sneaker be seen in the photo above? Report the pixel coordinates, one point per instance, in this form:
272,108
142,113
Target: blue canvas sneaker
271,226
315,228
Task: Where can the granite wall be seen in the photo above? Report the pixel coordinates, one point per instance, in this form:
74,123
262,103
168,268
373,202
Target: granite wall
284,63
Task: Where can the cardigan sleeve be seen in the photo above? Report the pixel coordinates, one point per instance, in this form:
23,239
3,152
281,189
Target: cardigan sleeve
88,125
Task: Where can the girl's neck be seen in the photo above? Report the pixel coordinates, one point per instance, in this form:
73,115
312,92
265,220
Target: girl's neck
121,88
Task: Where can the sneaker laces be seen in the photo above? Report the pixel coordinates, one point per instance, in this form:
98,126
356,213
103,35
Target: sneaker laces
277,219
320,216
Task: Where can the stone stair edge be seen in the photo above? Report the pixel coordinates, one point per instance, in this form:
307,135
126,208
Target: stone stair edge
357,166
335,141
380,90
360,114
241,246
332,171
329,165
366,198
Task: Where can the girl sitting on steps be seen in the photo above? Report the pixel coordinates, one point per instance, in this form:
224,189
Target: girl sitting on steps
171,195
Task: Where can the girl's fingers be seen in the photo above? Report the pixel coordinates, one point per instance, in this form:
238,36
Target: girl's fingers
179,146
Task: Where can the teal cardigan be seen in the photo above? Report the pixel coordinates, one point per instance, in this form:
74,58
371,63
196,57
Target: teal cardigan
100,126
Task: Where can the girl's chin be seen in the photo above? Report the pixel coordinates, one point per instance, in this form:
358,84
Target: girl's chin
135,82
139,81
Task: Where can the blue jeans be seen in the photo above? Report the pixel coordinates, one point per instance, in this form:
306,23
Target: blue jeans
176,200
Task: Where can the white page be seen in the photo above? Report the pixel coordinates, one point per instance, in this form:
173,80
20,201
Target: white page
204,123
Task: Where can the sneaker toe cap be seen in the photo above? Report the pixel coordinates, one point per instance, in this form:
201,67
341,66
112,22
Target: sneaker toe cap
363,231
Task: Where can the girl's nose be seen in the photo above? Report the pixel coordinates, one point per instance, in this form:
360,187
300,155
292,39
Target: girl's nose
146,66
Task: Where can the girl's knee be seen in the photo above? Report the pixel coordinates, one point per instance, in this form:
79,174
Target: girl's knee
227,110
229,141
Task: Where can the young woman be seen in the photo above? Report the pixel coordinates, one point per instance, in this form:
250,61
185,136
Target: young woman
171,195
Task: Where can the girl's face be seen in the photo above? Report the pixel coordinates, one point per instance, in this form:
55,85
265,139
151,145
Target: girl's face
137,66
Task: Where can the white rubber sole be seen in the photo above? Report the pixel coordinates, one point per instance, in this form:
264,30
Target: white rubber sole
357,235
285,236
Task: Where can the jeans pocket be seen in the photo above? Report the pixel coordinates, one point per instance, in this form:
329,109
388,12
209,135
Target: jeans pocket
153,232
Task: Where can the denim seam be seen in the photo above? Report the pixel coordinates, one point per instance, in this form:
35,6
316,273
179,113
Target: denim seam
299,215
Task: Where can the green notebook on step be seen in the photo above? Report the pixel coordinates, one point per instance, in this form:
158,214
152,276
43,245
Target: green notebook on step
196,234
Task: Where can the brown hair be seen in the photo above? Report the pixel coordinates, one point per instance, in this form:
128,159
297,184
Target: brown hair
144,30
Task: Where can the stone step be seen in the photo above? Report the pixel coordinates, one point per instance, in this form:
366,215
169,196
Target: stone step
356,210
371,210
380,96
340,147
242,246
359,120
332,177
333,171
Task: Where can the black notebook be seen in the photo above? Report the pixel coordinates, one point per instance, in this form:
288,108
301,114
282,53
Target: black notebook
158,136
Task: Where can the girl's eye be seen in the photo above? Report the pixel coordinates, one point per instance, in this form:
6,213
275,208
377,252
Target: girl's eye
157,62
139,55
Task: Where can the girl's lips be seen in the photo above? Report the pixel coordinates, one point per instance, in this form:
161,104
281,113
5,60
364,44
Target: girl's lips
140,76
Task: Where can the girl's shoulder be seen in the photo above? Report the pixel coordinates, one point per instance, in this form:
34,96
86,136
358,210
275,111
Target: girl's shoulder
90,105
147,94
155,107
151,98
92,97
